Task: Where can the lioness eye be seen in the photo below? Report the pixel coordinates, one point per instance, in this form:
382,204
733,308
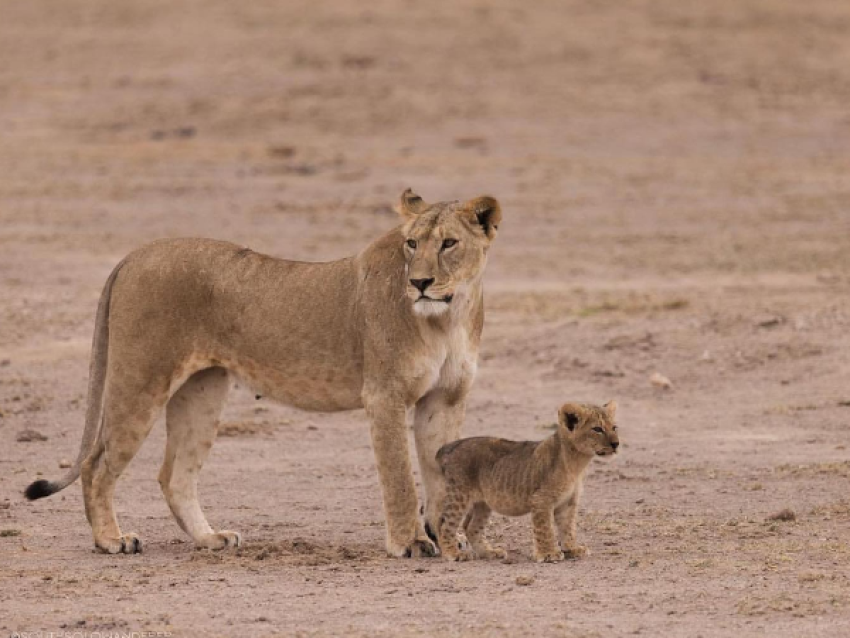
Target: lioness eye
598,429
448,243
411,243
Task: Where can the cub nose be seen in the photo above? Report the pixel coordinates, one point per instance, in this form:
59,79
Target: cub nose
421,284
615,445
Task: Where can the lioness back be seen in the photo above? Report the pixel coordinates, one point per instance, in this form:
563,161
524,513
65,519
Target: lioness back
219,304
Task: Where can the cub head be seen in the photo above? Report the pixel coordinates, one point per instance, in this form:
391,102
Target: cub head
445,247
590,428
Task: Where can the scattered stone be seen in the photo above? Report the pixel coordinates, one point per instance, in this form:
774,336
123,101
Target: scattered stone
660,381
64,464
706,356
524,580
27,436
769,321
4,505
783,515
5,362
8,533
609,373
282,151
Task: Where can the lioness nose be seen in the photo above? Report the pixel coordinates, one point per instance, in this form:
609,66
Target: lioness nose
615,444
421,284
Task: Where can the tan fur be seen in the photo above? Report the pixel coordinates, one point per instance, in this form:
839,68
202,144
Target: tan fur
485,474
180,316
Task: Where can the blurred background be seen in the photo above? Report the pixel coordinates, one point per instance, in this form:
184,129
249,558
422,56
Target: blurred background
675,180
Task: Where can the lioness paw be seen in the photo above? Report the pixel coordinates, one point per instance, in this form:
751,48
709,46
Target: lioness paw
126,544
418,548
220,540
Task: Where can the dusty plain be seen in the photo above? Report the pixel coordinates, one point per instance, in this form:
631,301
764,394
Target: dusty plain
675,178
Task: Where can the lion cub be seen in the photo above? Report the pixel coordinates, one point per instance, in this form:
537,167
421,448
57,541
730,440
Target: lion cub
514,478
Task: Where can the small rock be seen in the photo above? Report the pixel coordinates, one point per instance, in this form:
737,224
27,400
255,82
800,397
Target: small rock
659,380
64,464
5,362
26,436
4,505
185,131
769,321
524,580
783,515
706,356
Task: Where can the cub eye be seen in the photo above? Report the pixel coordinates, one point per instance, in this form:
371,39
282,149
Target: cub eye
598,429
411,243
448,243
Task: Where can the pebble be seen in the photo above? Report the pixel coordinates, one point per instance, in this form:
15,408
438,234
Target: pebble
659,380
26,436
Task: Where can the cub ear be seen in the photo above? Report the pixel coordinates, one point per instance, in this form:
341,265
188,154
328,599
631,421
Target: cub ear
485,212
570,415
611,408
411,204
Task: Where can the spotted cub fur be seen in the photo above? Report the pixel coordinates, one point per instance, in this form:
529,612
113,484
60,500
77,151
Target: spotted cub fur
514,478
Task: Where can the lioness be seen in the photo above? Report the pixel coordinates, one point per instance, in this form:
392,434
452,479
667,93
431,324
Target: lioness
394,327
514,478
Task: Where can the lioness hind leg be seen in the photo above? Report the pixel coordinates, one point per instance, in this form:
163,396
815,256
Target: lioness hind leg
475,525
126,424
191,418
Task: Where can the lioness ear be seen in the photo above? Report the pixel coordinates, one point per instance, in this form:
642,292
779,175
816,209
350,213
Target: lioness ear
486,212
611,409
570,415
411,204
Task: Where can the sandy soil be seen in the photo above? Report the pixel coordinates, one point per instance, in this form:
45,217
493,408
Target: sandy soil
676,185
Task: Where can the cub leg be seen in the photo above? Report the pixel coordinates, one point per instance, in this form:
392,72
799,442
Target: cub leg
455,505
127,420
405,536
545,543
437,421
475,525
565,519
191,418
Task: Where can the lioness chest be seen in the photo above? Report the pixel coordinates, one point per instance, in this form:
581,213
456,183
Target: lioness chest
445,362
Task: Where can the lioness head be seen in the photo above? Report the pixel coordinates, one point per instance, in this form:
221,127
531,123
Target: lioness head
590,428
445,246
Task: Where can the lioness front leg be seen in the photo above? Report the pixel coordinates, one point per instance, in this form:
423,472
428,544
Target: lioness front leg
405,536
437,421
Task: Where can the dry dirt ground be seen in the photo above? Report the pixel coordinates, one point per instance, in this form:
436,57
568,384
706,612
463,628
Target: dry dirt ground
675,179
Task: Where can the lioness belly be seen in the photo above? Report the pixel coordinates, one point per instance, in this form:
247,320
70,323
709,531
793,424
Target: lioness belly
308,386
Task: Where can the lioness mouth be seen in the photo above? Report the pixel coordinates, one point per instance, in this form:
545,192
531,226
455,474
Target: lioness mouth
446,299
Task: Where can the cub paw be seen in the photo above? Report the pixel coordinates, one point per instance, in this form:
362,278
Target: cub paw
220,540
492,552
576,551
549,557
459,555
125,544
